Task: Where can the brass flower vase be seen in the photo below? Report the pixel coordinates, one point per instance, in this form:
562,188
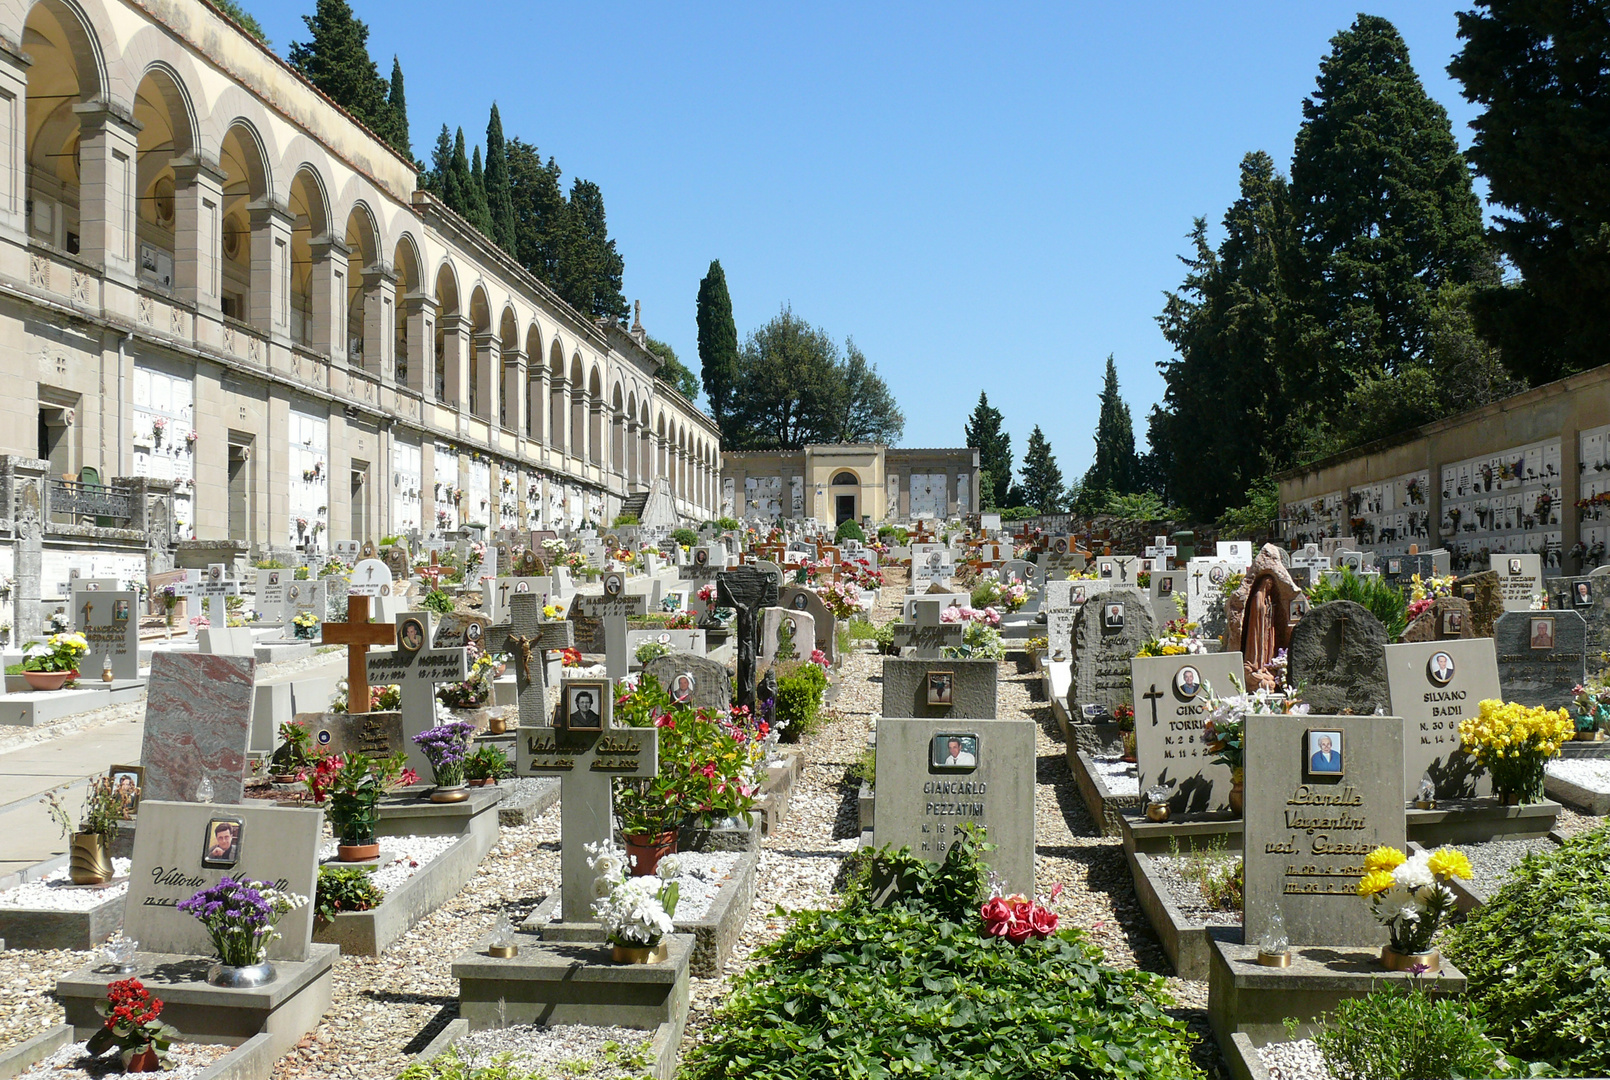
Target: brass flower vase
634,954
89,860
1429,962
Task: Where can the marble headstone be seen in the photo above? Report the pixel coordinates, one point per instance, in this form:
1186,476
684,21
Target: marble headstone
1541,656
375,734
110,622
198,719
1336,658
707,683
1171,694
1434,685
1590,598
1520,580
806,600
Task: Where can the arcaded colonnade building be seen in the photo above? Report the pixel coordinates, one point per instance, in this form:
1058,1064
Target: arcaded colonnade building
213,278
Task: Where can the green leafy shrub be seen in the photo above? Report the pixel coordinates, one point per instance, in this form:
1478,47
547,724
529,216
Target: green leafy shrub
1383,601
1215,871
916,988
849,530
800,687
270,564
727,523
1393,1035
488,762
391,541
899,537
301,574
1019,513
344,888
652,650
685,537
626,519
1535,957
884,636
437,601
865,768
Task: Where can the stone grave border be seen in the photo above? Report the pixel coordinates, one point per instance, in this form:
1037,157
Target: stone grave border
372,932
249,1060
1106,809
664,1047
1186,941
48,928
777,789
1590,802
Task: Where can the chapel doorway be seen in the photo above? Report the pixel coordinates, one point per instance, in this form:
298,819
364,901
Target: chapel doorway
845,509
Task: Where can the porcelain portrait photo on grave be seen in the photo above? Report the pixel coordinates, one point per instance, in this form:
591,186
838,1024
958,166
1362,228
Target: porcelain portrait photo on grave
956,751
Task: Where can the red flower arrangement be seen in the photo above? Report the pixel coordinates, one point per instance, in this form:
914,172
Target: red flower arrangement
1017,919
132,1027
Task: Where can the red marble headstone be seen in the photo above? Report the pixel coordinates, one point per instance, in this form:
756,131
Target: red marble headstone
198,719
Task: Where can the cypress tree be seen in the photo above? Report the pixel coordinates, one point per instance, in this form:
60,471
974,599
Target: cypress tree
499,196
718,344
590,269
1113,472
1042,479
337,61
456,185
480,214
434,179
994,446
397,103
1538,70
1384,206
244,18
538,206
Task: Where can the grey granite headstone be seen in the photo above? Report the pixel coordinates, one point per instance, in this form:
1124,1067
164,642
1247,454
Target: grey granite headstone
110,622
1102,650
972,686
711,682
1306,833
1590,598
1520,579
301,597
1447,619
1434,685
922,799
416,670
1170,707
459,629
198,719
798,599
802,629
1541,656
1336,658
171,864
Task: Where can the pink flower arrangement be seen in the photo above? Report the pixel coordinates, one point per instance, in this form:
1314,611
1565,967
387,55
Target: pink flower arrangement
819,658
1017,919
1418,608
988,616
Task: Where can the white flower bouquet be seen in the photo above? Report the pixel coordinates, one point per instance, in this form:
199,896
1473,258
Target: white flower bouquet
635,911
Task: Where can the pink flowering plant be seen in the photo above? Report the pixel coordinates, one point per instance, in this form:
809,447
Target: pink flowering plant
707,762
842,598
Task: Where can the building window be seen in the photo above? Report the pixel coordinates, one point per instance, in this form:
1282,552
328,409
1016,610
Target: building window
845,478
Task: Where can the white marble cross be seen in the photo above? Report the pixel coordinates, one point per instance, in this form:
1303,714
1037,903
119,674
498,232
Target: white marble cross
1160,549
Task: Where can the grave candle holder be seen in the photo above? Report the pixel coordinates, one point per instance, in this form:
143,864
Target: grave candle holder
503,944
1274,948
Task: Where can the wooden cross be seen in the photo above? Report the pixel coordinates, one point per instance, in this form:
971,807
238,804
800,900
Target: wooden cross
89,606
1153,695
357,634
928,633
529,639
417,669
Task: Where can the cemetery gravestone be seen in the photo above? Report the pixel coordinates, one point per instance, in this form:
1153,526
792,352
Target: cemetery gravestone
1541,656
1106,636
1171,703
302,597
110,623
171,863
1204,594
198,718
1336,658
1482,593
1163,588
687,641
1520,580
1433,686
1447,619
373,734
270,602
927,634
954,688
1306,832
417,669
695,680
459,629
826,626
1590,598
611,610
528,639
935,775
746,590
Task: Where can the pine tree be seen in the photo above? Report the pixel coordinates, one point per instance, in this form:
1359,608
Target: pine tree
499,196
994,446
1042,480
1538,71
397,104
1113,472
590,270
480,214
538,206
337,61
1384,205
718,344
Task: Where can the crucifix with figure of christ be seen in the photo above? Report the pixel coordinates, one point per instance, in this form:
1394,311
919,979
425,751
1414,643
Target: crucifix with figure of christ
528,639
357,634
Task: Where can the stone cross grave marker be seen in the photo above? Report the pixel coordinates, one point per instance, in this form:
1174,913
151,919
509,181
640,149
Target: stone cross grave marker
76,605
1541,656
1307,831
528,639
1171,694
746,590
198,719
417,669
1590,598
1433,685
586,763
612,610
300,597
110,622
1162,550
927,633
370,577
357,634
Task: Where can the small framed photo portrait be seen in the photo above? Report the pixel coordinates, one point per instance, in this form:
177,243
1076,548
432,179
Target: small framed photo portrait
682,688
955,750
587,704
1542,633
273,577
1323,753
522,587
1394,566
1581,594
614,585
1299,607
1112,616
941,685
120,611
92,586
1106,569
1060,545
1217,574
1187,683
1440,669
411,635
1078,594
1165,585
801,601
1514,567
127,780
1453,623
215,572
293,593
221,846
701,557
472,631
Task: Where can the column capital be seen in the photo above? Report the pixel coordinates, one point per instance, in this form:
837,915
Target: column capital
326,246
197,166
109,115
417,303
269,211
378,274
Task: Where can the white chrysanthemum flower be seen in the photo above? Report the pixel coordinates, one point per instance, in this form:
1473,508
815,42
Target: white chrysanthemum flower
1415,873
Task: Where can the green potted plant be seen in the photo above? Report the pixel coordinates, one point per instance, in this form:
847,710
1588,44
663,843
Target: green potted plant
132,1027
343,889
90,856
353,787
50,664
486,766
292,756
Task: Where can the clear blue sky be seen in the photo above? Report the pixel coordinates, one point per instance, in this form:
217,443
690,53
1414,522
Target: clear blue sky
984,196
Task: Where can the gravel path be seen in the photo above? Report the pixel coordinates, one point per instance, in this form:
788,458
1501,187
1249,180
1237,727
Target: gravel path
561,1052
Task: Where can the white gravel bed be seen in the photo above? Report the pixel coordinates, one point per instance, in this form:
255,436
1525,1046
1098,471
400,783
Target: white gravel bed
1187,894
560,1052
71,1062
1300,1060
700,876
1590,773
1119,775
524,785
1492,861
56,892
408,854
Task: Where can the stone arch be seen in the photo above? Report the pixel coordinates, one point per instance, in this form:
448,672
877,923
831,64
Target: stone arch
308,206
447,305
846,478
167,135
595,417
364,256
76,34
406,262
534,403
617,430
558,420
246,181
69,68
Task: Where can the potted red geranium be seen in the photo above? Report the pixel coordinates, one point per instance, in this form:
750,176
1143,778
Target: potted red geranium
132,1027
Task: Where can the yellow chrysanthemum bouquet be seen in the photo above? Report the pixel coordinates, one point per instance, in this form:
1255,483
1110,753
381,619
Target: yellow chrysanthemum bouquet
1512,742
1410,896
